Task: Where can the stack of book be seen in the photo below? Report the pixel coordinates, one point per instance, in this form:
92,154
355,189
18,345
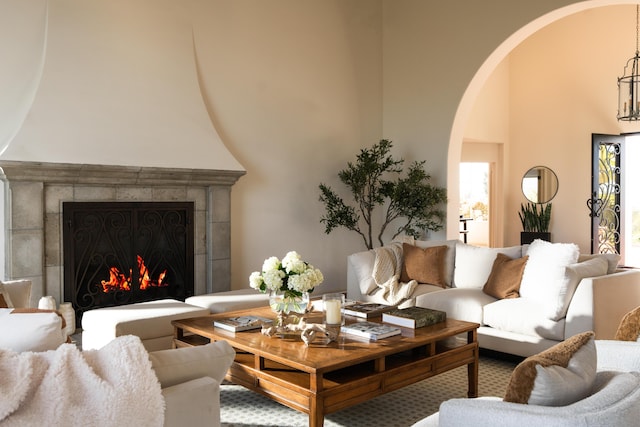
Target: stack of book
366,310
414,317
241,323
371,330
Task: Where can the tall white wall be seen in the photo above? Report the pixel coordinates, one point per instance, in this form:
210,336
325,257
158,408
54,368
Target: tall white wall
293,90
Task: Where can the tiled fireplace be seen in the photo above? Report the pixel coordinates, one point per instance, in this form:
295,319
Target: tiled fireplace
33,215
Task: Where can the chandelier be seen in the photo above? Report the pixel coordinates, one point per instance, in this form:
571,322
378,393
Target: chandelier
629,85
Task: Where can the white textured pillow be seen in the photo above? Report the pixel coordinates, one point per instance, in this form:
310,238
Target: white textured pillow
544,279
474,263
449,257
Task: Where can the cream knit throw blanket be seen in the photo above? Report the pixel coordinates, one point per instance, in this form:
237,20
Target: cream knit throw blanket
113,386
386,274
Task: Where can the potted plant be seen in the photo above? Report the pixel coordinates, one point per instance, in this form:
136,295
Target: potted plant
535,218
376,180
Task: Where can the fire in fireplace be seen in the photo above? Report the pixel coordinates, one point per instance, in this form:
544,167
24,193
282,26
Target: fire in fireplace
124,252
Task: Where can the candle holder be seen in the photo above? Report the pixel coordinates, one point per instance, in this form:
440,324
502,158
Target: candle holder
332,305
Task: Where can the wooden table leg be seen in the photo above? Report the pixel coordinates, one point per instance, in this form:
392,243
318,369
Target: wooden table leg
472,368
316,404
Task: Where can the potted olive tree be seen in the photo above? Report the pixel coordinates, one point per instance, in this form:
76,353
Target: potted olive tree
535,218
409,202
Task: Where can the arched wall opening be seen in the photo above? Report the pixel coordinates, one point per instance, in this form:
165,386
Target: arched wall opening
465,107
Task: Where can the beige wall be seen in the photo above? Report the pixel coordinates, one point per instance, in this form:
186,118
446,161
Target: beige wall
295,88
563,89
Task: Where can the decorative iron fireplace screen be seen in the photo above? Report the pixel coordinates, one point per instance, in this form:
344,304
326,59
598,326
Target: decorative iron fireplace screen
124,252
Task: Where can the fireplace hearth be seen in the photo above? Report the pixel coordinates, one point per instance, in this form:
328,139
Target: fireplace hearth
126,252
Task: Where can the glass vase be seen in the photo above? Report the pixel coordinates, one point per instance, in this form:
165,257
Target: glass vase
288,308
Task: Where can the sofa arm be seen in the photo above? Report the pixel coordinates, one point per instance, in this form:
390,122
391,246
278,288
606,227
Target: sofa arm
179,365
359,275
193,403
599,303
618,355
493,412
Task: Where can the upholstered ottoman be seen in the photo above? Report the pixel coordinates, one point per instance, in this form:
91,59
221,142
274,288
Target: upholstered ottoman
151,321
221,302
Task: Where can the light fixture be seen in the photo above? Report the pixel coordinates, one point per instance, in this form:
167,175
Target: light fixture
629,85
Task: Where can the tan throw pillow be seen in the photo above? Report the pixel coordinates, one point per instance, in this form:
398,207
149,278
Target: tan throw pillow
424,265
559,376
5,299
505,277
629,329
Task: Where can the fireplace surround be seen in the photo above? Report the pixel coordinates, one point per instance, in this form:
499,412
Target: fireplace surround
34,194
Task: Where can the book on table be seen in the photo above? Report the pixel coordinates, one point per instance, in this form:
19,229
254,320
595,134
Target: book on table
414,317
366,309
370,330
241,323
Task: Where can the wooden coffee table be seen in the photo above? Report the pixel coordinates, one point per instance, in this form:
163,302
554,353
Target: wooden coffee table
321,379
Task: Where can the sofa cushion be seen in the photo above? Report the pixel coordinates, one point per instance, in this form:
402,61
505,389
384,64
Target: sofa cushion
461,304
424,265
33,331
522,316
449,258
629,328
179,365
505,277
559,376
474,263
612,260
544,279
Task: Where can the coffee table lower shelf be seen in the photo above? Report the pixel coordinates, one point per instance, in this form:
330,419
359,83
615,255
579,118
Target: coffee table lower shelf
346,387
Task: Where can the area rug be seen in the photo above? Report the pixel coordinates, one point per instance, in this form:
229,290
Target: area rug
241,407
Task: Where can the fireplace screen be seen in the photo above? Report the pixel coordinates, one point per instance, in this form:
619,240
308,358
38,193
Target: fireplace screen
124,252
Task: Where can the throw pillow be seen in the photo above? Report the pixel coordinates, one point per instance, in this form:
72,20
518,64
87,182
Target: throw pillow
5,299
504,279
612,260
544,279
449,258
473,263
424,265
559,376
629,328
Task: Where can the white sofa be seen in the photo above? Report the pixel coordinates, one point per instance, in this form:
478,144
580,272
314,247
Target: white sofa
519,326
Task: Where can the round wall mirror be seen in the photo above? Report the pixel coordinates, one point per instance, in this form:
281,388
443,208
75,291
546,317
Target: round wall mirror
539,184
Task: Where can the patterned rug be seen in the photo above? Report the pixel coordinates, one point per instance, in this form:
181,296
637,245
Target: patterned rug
241,407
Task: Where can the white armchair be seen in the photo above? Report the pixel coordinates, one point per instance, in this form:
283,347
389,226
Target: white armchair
24,330
190,379
614,399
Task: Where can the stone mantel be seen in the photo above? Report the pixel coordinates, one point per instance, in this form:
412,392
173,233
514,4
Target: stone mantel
33,197
70,173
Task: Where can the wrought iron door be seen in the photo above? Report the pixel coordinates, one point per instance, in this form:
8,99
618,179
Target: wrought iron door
607,201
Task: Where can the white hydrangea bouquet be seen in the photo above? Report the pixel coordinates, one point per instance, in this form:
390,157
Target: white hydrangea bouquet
292,278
